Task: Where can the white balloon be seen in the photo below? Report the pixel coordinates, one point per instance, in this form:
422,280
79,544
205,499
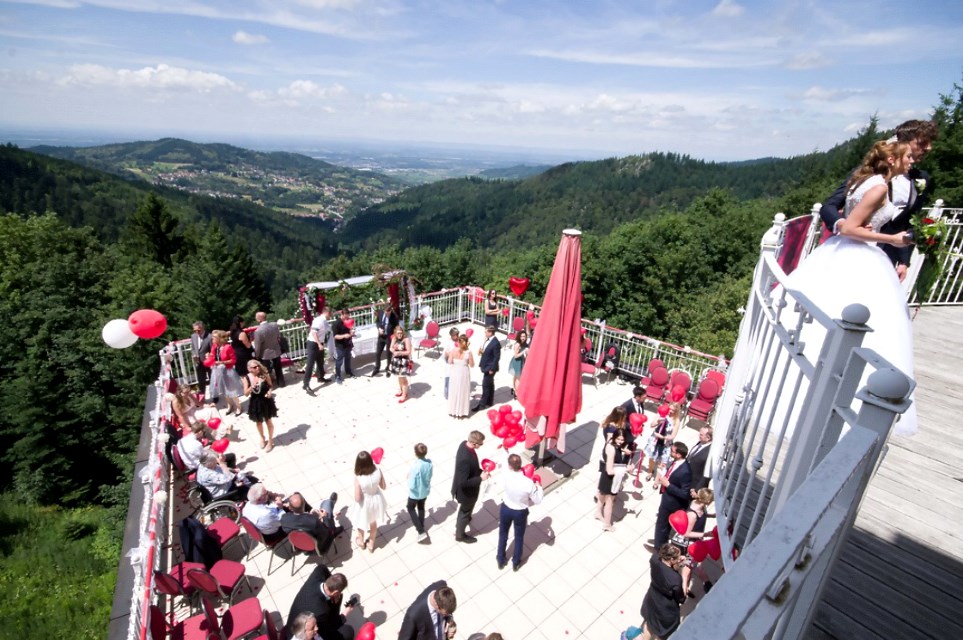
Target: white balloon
117,334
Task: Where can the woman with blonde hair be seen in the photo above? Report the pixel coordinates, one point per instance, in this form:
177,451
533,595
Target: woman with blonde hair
459,384
400,351
369,506
261,407
695,530
658,447
224,379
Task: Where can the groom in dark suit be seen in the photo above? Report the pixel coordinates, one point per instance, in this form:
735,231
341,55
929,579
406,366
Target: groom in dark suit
675,483
429,616
491,353
908,192
387,320
698,458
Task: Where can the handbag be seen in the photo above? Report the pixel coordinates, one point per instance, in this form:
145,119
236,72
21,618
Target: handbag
619,476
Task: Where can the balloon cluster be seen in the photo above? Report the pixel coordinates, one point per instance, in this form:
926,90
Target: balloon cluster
144,323
708,546
507,425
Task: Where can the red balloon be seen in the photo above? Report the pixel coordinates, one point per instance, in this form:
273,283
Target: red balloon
636,430
147,324
469,332
214,423
697,550
366,632
377,454
529,315
528,470
714,548
505,408
494,428
679,521
532,322
518,285
220,445
517,416
537,479
637,419
488,465
497,421
664,410
501,431
491,414
518,431
349,323
678,393
509,419
583,331
510,441
505,312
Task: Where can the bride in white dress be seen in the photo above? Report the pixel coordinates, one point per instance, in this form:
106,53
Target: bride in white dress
849,267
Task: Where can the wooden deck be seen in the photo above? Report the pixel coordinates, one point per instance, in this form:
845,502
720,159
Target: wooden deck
901,572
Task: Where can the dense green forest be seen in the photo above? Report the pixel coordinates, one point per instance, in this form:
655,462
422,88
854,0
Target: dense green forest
79,247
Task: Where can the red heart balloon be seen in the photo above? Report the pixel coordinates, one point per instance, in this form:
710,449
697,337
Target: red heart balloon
529,315
528,470
147,323
509,419
214,423
678,393
517,416
501,431
491,414
377,454
664,410
679,521
637,419
497,420
469,332
220,445
488,465
518,285
349,323
636,430
697,550
505,312
714,548
532,322
537,479
505,408
510,441
366,632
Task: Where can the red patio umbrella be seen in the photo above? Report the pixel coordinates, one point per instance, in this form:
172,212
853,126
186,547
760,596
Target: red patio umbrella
550,389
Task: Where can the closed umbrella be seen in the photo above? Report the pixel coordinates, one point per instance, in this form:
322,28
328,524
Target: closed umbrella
550,389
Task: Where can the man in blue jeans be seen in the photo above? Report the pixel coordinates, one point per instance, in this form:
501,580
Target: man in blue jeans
520,494
419,483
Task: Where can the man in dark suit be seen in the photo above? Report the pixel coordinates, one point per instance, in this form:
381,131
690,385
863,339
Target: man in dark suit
321,595
318,522
635,404
267,346
429,616
908,192
466,483
674,485
697,459
491,353
200,347
387,320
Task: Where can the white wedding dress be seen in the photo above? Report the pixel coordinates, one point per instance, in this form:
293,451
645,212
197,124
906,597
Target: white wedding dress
843,271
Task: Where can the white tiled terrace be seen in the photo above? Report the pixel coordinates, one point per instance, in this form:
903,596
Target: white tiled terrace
576,580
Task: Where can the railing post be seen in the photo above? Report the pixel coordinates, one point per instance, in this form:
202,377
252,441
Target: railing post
818,403
885,395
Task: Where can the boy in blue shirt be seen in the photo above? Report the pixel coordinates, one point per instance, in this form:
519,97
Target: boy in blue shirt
419,482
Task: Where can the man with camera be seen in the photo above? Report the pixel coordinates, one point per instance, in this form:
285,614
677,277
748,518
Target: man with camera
322,595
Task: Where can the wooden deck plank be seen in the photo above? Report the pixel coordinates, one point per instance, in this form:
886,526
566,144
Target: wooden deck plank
901,568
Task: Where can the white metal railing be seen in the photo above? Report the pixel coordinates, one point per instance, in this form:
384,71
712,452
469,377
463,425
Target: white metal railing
778,461
451,306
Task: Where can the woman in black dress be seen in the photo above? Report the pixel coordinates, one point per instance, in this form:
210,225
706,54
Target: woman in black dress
243,349
614,459
261,407
491,310
660,608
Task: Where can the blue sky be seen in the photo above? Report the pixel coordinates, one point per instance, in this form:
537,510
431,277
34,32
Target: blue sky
716,79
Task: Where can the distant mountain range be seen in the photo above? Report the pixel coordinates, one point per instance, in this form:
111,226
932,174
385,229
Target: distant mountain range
515,173
288,182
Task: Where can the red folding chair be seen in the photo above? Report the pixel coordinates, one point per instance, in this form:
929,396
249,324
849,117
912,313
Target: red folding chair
255,534
239,620
657,384
704,403
654,364
430,341
305,542
221,582
589,369
271,631
718,377
174,583
197,627
680,379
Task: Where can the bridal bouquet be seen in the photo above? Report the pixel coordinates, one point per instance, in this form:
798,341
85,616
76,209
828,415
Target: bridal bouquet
929,234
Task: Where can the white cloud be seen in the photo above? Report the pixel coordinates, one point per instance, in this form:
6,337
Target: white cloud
808,60
300,89
243,37
160,77
728,9
822,94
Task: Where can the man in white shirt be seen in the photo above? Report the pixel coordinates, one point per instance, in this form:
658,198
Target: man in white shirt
520,493
316,344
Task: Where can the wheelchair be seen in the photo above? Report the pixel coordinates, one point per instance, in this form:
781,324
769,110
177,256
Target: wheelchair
207,509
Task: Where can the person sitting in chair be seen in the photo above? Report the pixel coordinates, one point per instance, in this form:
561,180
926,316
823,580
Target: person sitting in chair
317,522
